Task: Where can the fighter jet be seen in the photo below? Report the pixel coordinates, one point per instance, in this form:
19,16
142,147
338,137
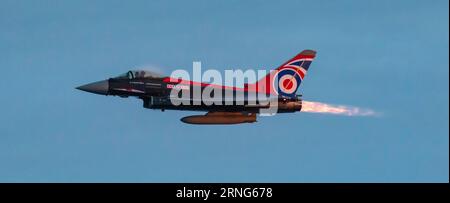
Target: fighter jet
240,103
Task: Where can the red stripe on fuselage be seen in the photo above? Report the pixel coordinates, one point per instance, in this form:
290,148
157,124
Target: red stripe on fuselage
201,84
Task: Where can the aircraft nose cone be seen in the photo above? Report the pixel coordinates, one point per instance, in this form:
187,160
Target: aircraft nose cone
100,87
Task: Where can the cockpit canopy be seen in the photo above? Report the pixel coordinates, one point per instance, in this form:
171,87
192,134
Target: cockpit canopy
132,74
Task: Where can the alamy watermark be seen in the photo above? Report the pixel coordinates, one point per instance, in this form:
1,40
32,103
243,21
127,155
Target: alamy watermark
237,87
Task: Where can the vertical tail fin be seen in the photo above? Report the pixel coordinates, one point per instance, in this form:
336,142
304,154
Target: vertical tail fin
286,79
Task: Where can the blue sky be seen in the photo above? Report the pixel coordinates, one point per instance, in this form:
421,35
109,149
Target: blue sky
391,56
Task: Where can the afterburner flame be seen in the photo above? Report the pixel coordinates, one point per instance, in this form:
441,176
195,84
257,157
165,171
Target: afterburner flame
318,107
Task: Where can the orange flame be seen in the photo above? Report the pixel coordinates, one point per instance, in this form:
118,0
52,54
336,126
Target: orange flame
318,107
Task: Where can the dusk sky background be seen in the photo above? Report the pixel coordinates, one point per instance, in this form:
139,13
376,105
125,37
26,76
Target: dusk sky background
389,56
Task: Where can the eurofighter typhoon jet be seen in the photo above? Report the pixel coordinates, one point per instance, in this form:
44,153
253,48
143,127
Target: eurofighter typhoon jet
239,104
